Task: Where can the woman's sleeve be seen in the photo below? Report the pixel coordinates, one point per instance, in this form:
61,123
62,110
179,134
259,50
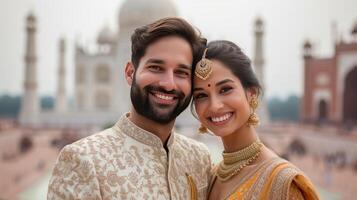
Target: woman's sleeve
295,193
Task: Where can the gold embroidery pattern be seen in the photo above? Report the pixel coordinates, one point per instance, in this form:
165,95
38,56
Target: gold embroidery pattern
295,193
125,162
255,191
281,184
274,179
193,188
127,127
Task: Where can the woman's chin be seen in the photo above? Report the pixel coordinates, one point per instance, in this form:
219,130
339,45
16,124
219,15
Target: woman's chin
223,132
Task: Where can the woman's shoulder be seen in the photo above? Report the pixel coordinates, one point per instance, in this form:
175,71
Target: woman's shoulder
286,180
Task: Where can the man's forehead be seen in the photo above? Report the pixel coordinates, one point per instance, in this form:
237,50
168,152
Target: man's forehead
169,44
171,56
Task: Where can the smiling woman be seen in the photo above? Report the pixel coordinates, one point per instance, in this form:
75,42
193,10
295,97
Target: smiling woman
226,93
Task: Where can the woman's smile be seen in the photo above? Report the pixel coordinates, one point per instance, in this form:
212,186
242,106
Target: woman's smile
221,119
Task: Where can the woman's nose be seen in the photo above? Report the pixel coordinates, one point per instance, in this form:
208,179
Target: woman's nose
216,104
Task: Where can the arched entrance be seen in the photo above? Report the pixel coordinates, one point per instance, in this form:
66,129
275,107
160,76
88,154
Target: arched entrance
350,98
323,112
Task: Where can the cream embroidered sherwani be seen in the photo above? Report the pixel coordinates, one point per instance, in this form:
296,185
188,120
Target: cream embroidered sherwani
127,162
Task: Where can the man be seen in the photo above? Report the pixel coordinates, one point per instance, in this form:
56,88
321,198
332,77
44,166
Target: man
140,157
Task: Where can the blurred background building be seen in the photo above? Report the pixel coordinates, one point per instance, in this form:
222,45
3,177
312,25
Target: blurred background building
330,84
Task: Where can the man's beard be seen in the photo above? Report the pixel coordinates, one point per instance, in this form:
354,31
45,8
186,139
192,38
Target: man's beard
145,107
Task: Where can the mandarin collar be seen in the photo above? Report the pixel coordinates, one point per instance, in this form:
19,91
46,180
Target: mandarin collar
130,129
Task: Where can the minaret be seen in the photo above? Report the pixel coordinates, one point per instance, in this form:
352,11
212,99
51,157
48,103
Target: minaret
258,63
306,108
354,32
30,105
61,102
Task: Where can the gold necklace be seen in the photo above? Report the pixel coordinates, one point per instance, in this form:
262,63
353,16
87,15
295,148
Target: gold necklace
234,162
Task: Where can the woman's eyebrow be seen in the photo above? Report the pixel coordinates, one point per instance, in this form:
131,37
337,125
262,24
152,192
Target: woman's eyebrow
217,84
223,82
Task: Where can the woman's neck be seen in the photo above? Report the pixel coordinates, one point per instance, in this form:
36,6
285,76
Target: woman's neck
240,139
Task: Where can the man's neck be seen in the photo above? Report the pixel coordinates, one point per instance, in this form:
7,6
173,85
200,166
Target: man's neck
160,130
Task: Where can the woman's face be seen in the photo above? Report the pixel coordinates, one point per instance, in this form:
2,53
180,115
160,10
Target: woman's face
220,101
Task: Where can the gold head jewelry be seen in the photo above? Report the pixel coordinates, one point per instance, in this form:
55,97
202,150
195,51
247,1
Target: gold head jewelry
253,119
204,67
234,162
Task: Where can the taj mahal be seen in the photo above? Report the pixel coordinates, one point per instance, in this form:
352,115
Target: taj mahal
101,94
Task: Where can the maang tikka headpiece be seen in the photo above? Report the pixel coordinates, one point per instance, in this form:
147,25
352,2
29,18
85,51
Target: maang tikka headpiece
204,67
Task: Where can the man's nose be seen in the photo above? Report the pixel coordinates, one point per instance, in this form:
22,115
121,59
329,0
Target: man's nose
168,81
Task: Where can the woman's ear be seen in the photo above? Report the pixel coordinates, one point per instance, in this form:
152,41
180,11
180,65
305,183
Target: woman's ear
252,92
129,72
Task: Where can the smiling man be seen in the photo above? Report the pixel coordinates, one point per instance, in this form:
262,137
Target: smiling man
140,157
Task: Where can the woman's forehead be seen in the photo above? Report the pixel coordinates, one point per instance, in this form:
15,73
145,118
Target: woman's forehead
219,73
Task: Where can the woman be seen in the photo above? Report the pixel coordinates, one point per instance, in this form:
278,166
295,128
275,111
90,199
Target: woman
225,96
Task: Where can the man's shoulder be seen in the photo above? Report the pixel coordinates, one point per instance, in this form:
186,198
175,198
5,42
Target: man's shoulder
93,142
191,144
194,155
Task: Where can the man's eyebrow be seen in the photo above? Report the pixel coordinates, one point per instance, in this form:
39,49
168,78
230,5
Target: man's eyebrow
154,61
223,82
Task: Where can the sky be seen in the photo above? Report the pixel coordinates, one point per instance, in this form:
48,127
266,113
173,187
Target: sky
288,23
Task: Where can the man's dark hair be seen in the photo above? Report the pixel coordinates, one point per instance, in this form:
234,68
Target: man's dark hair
146,35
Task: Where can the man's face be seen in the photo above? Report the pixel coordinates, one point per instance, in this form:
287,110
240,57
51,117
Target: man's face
161,87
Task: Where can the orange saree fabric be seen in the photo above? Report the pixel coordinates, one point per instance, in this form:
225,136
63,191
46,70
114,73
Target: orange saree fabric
276,179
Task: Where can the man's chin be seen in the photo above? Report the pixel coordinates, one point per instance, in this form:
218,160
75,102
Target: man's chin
163,115
162,119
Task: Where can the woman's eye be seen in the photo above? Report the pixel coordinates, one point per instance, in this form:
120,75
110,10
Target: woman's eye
199,96
225,89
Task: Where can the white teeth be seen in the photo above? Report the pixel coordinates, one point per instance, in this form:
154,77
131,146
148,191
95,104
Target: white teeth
164,97
222,118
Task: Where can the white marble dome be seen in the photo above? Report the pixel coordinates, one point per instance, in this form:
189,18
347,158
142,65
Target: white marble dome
106,36
135,13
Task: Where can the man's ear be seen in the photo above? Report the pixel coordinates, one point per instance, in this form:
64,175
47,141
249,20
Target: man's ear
129,72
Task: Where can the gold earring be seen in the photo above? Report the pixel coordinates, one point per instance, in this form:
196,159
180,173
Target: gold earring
202,129
253,119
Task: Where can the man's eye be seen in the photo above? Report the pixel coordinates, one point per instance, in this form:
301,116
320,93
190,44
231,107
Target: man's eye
154,68
225,89
182,73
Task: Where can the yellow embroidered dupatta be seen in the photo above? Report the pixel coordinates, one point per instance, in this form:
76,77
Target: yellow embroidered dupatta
276,179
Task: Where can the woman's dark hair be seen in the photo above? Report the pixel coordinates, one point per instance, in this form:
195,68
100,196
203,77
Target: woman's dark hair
172,26
233,57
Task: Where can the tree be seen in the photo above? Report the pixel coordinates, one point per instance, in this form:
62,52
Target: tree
285,110
10,105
